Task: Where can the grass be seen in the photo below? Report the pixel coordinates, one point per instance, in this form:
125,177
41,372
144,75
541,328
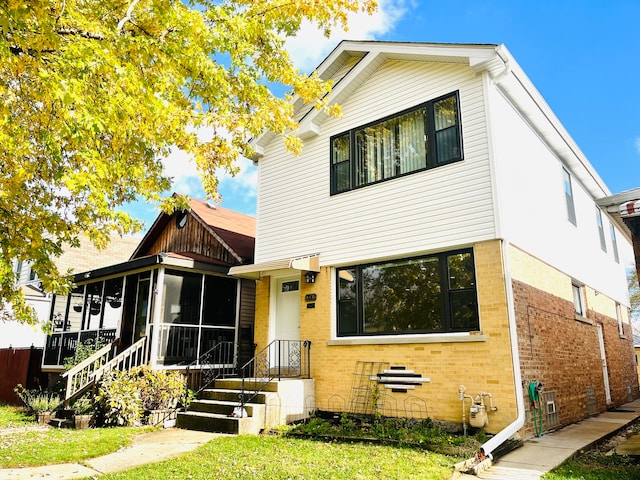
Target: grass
12,416
262,458
596,466
50,446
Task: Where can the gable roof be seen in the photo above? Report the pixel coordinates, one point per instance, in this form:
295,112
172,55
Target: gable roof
234,230
351,63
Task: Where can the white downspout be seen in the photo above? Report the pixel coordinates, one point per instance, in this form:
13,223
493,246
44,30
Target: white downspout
488,447
503,435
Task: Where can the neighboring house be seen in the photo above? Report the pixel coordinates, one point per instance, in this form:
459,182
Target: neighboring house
172,301
446,225
83,258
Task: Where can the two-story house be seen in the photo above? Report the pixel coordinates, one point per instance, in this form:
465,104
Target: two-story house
441,246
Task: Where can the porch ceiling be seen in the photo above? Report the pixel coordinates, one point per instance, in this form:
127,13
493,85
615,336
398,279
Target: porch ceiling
308,263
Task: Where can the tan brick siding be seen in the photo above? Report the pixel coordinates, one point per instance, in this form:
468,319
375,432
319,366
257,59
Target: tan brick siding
483,366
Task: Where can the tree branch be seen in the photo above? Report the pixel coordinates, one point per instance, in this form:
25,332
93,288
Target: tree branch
128,15
81,33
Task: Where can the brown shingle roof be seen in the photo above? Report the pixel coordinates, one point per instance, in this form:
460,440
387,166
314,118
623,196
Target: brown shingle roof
236,229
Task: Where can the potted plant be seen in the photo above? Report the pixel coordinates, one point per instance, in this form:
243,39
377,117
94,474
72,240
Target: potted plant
82,412
40,403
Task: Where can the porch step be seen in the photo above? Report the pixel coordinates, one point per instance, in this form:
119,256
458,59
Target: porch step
226,395
213,411
218,423
221,407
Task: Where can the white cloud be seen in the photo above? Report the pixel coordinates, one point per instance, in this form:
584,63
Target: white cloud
638,144
181,167
245,181
307,50
310,46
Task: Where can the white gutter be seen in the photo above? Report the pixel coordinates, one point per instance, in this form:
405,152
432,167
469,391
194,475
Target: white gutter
502,436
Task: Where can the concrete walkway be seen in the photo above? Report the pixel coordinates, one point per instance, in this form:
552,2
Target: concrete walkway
540,455
146,448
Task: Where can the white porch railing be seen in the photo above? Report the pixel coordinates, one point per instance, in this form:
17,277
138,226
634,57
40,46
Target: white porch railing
86,373
80,377
134,356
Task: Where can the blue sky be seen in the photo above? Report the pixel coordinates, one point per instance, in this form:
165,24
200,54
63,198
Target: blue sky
583,57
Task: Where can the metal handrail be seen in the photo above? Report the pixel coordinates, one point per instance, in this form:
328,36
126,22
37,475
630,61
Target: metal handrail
280,359
217,362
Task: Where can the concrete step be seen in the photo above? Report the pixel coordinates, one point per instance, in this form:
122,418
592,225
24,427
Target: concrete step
227,395
220,406
218,423
250,383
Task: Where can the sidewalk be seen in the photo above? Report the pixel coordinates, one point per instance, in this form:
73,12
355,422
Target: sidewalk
541,455
146,448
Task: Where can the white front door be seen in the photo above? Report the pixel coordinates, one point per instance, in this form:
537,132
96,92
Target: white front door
605,370
284,353
287,311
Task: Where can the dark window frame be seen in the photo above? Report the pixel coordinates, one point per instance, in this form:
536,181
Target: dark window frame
431,145
446,293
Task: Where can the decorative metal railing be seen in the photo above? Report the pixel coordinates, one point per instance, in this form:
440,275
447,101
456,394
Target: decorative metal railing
280,359
217,362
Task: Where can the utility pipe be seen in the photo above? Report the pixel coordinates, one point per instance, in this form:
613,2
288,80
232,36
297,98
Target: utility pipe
503,435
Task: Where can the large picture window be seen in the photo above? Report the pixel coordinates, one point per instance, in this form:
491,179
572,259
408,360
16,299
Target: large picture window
429,294
423,137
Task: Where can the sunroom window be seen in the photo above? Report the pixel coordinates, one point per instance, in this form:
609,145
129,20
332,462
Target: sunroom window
422,137
429,294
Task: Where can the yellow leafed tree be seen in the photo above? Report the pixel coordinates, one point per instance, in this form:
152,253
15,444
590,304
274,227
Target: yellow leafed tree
93,93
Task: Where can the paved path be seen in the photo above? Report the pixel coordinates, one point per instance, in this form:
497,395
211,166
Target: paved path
540,455
146,448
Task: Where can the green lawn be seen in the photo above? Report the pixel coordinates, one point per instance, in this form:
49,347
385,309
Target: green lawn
12,416
52,445
262,458
596,466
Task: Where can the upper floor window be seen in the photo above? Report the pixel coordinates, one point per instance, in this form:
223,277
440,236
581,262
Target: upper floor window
614,243
568,195
603,243
422,137
429,294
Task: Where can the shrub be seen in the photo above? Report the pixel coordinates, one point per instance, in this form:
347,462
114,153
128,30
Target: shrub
118,401
83,406
159,389
38,401
124,397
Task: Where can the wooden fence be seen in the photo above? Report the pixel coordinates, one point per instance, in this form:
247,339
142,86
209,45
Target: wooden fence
20,366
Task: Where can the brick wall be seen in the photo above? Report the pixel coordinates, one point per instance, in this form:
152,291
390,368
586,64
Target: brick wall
481,365
563,352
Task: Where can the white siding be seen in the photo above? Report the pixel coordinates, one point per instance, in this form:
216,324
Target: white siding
441,208
533,207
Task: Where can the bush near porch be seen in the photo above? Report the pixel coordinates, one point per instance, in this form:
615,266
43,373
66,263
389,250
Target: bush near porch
125,398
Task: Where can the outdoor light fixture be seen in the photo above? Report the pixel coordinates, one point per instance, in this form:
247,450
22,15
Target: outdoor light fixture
310,277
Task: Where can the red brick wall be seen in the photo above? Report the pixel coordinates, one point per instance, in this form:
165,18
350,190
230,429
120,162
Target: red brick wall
564,354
